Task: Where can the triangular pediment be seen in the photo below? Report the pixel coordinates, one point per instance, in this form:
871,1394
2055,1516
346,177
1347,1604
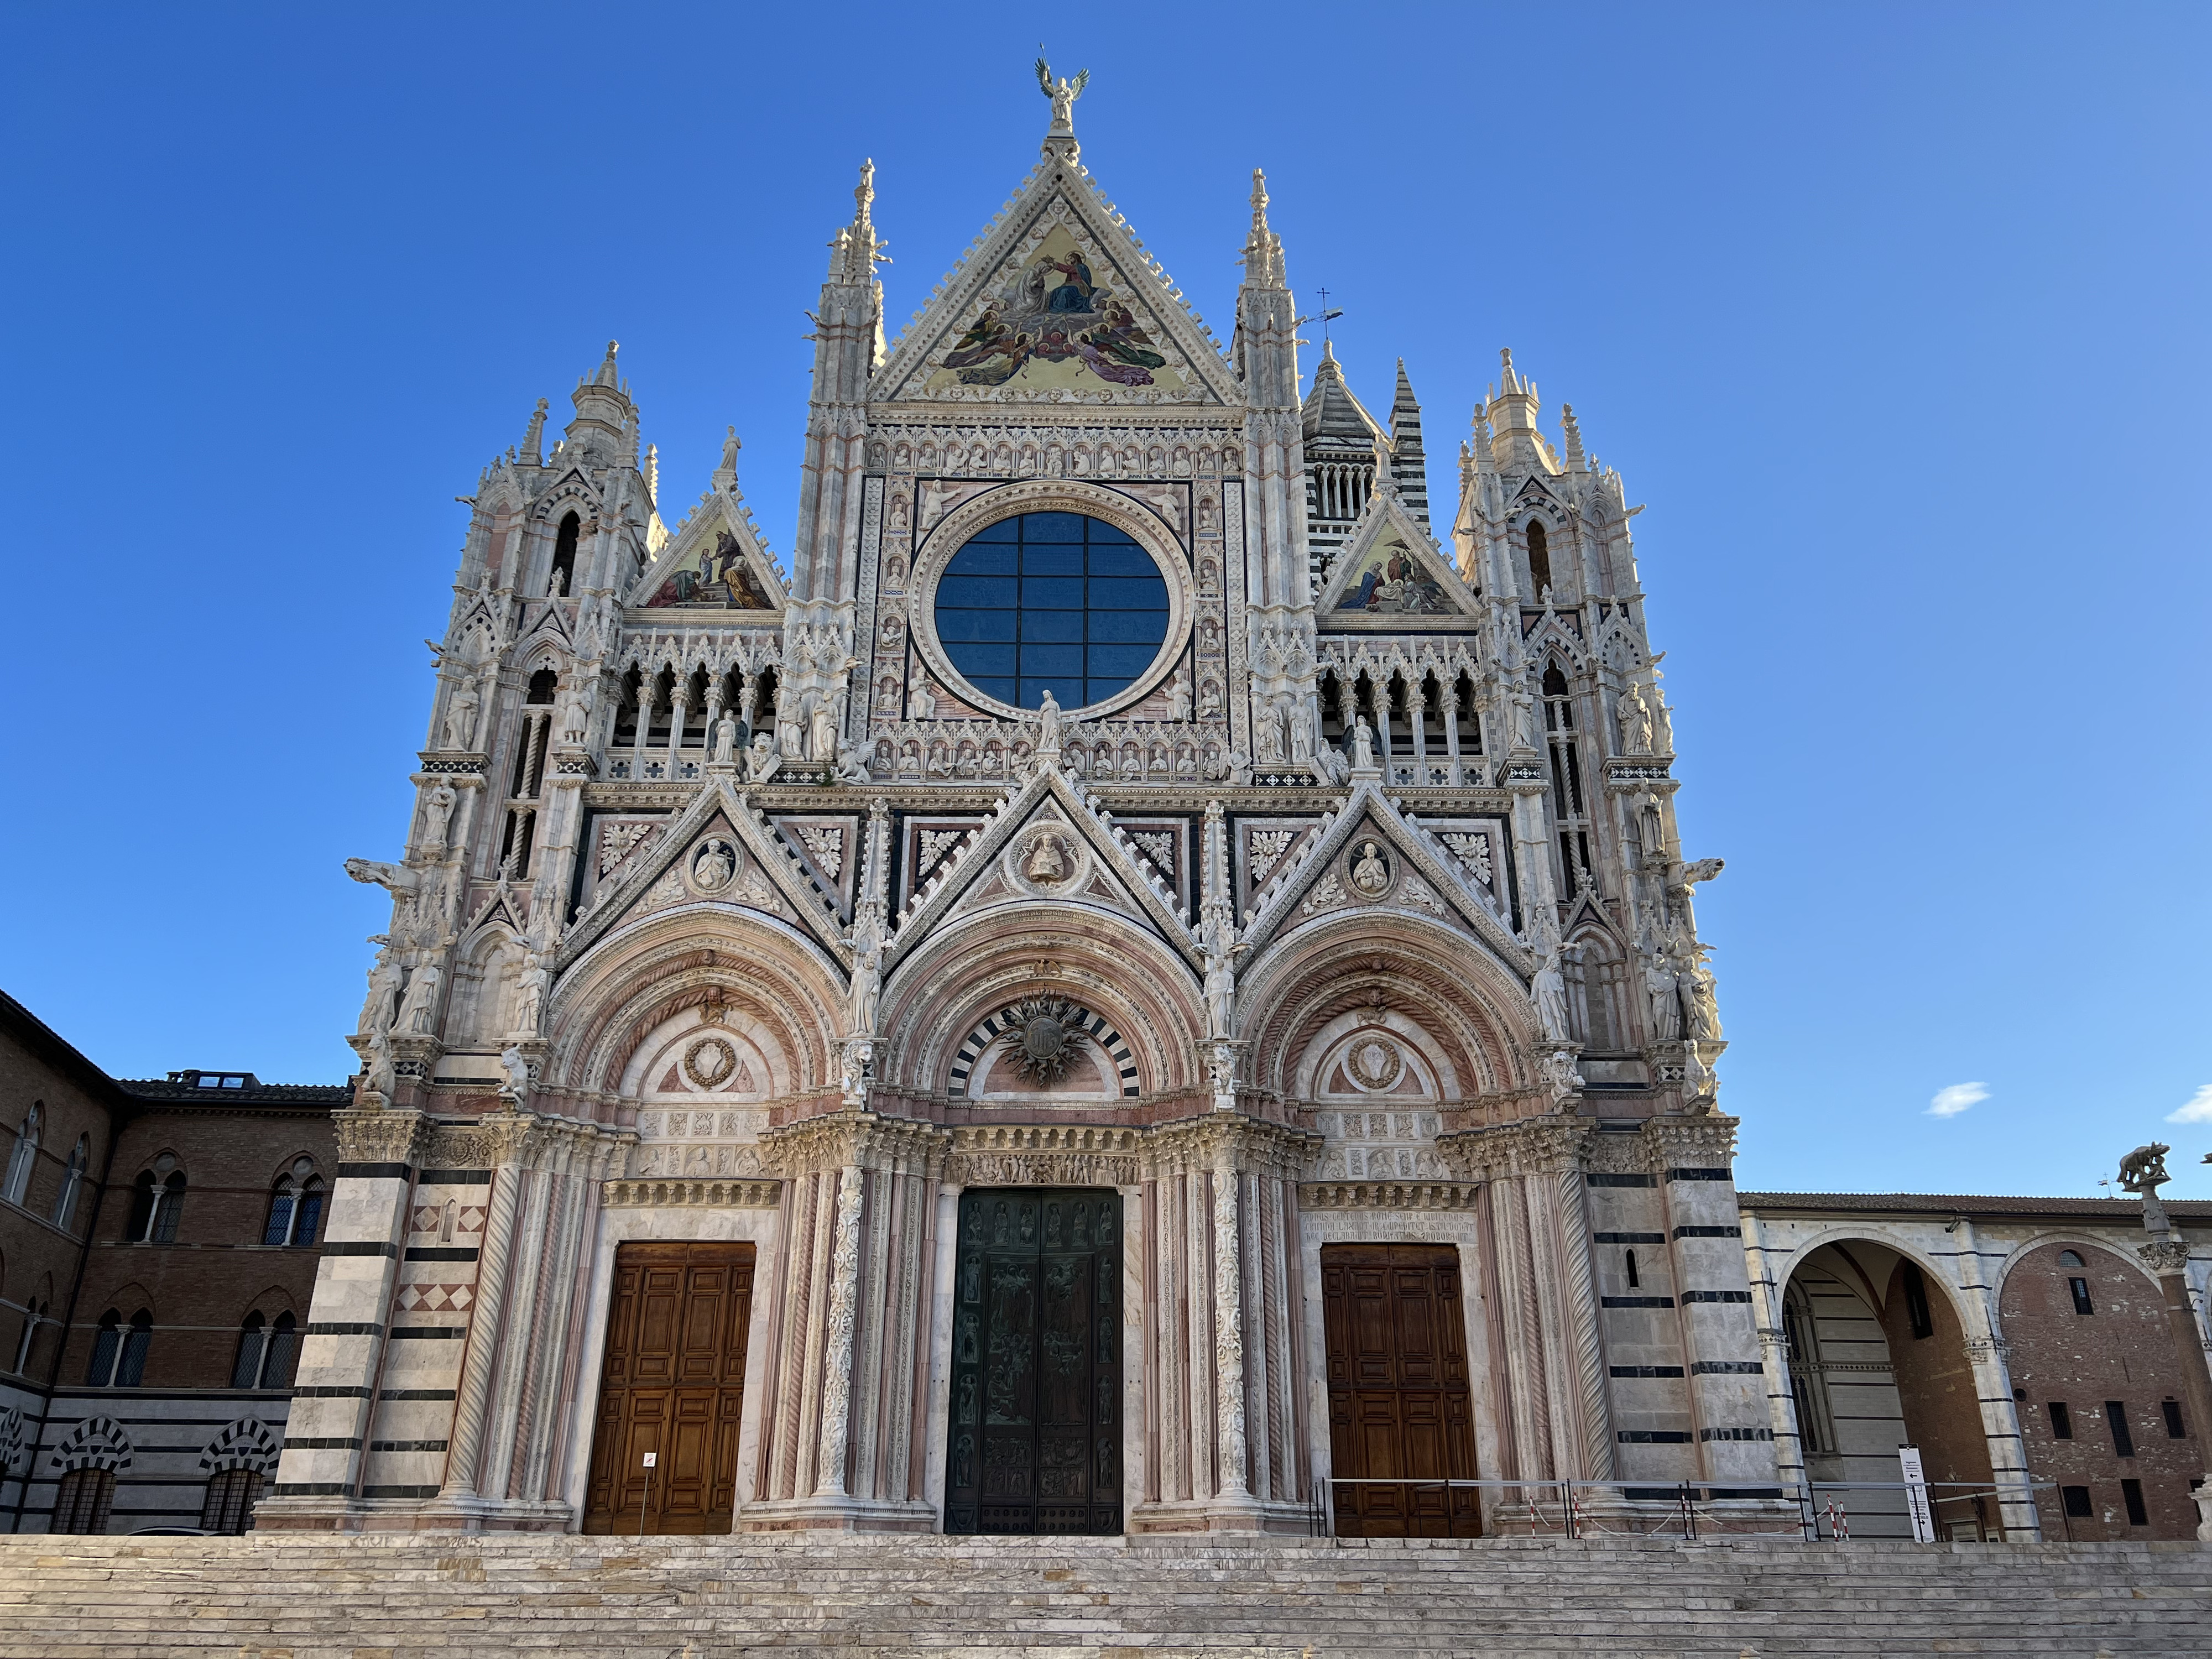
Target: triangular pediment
718,853
1368,857
715,561
1057,303
1046,844
1391,570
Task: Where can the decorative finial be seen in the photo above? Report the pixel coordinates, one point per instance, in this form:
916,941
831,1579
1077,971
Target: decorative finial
1063,94
1259,199
864,193
608,374
730,447
1576,461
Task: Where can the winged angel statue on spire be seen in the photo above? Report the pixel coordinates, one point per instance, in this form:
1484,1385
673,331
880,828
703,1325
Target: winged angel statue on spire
1063,93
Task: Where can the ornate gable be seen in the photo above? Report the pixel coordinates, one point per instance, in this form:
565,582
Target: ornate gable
1392,575
1058,303
715,561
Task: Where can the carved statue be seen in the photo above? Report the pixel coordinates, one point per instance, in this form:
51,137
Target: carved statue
1179,697
1704,1017
516,1065
461,716
763,756
1559,1072
1216,944
1549,987
725,737
381,1076
1063,95
790,738
1048,725
383,991
2142,1171
921,700
437,813
529,992
853,762
868,943
1363,746
1047,863
1635,721
821,734
575,720
1302,732
1663,999
420,1006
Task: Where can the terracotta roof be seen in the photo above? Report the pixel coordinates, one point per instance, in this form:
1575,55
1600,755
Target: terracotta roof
2103,1209
190,1088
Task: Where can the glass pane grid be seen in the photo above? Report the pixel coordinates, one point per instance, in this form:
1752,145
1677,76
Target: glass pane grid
1052,601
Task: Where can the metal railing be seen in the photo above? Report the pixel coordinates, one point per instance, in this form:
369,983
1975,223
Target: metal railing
1662,1509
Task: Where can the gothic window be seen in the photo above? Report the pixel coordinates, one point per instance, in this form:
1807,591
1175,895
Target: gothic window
1335,717
229,1508
267,1353
26,1155
1469,715
1540,559
72,1181
542,686
563,579
156,1205
295,1206
118,1351
35,1313
1058,602
82,1503
1597,980
1917,1311
1568,804
1807,1385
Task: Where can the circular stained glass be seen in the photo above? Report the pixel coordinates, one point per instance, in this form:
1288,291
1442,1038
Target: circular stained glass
1058,602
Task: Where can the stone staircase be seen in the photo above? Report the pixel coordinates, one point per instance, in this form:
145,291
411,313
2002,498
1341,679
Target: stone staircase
401,1595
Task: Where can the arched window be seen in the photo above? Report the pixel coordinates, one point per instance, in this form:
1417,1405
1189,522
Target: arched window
83,1501
295,1205
118,1352
1808,1384
156,1205
266,1353
564,556
228,1509
542,685
34,1313
72,1181
1567,800
26,1155
1540,559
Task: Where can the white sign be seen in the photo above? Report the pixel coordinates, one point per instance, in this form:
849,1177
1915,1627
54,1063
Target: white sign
1916,1495
651,1458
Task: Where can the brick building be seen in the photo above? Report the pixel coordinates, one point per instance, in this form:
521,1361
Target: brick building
158,1248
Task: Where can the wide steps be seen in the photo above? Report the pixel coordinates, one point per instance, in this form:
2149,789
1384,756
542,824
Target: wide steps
401,1595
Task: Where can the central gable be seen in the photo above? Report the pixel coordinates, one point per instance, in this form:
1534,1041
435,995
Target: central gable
1059,300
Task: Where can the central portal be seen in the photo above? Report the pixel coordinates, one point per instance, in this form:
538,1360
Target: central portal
1034,1444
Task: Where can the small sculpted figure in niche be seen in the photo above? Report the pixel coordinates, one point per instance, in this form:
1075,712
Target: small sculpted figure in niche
725,737
461,715
1370,874
822,734
763,756
1048,863
1302,733
1048,725
437,813
529,992
420,1007
383,991
1549,988
1179,697
867,944
716,862
1635,721
1363,746
1662,998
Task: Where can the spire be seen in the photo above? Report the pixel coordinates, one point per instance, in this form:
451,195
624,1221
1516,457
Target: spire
1263,249
653,473
1575,460
1409,462
855,252
608,375
533,436
1508,382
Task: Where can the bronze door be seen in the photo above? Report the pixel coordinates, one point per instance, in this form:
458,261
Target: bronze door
1034,1441
1397,1390
674,1386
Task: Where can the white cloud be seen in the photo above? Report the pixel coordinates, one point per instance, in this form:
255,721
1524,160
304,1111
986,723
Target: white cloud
2198,1110
1949,1103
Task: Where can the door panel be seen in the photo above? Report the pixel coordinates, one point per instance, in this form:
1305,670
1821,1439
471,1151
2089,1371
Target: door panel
1034,1443
1398,1406
674,1385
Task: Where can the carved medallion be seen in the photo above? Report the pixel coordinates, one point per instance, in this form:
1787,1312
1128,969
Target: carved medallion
1370,870
714,866
1376,1062
709,1062
1043,1034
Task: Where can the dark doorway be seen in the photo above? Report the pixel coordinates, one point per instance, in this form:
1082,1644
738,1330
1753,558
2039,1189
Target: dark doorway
1397,1390
674,1386
1034,1441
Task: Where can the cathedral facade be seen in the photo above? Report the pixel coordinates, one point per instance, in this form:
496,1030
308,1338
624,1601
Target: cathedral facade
1149,985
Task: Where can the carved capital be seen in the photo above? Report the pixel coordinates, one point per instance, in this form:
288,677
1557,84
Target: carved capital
1706,1141
1545,1146
369,1136
2166,1255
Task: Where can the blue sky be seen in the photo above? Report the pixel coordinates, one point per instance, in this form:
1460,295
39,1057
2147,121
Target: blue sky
1893,315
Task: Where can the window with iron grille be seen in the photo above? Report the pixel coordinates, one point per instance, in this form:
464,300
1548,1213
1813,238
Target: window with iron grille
82,1503
229,1507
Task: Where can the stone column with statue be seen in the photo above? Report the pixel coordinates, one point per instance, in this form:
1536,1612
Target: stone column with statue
2142,1172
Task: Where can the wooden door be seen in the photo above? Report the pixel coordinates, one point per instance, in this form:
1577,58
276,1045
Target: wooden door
674,1385
1035,1434
1398,1390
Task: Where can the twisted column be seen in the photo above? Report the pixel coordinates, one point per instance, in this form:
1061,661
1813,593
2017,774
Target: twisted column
837,1334
509,1132
1229,1333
